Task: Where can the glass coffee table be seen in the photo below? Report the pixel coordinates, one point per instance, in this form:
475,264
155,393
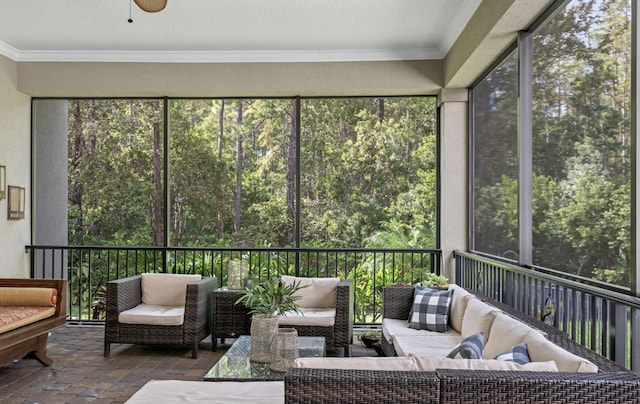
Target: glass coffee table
236,366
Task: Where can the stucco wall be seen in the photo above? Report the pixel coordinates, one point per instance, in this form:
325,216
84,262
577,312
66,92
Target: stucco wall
15,110
51,79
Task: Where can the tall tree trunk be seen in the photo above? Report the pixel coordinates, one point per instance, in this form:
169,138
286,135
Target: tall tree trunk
238,204
158,200
219,168
380,110
220,129
75,184
291,174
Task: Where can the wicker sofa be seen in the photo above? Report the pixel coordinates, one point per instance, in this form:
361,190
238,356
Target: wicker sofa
29,317
392,380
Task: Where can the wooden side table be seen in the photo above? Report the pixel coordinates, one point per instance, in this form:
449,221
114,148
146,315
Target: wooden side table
230,320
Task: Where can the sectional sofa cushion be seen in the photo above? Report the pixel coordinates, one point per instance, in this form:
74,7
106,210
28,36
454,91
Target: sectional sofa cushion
478,317
430,310
420,363
469,348
459,300
402,363
429,364
436,344
506,332
517,353
166,289
321,293
541,350
393,328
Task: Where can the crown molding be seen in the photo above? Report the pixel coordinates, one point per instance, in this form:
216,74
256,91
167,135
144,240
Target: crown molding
9,51
356,55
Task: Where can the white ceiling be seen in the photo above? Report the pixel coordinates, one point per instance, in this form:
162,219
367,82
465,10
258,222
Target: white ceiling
232,30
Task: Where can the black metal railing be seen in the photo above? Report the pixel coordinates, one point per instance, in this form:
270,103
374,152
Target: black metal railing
605,321
88,269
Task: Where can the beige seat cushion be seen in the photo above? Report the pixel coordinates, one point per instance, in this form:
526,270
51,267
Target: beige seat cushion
393,327
541,349
13,317
166,289
478,317
505,333
153,315
180,391
321,293
309,317
429,364
438,346
459,301
363,363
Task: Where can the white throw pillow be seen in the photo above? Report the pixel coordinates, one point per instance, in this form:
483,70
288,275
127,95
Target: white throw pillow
166,289
322,293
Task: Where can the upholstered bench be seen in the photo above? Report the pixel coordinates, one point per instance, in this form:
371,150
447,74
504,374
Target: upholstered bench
29,310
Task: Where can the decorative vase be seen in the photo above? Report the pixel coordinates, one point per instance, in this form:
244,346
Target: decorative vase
237,274
263,328
284,349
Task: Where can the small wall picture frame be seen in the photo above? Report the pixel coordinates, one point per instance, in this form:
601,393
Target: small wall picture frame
3,182
15,202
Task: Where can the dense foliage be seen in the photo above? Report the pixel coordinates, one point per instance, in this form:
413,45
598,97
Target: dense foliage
581,145
233,171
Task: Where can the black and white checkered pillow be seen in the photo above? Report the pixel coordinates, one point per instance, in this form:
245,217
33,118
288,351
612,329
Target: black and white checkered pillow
517,353
430,310
469,348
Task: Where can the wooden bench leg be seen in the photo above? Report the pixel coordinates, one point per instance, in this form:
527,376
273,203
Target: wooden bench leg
41,351
35,347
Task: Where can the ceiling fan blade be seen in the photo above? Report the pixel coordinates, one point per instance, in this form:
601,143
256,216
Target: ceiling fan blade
151,6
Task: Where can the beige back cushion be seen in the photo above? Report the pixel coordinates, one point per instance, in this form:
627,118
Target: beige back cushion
459,301
429,364
320,294
166,289
505,333
541,349
18,296
478,317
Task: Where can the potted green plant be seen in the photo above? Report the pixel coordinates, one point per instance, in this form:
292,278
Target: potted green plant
265,301
434,280
369,337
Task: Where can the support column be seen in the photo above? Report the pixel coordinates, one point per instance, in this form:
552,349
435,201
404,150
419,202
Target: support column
50,173
453,171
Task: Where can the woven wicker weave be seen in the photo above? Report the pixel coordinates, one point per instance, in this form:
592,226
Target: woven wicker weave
341,334
229,319
126,293
360,386
458,386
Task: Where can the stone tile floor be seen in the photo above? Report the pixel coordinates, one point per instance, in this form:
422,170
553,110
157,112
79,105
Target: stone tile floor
80,373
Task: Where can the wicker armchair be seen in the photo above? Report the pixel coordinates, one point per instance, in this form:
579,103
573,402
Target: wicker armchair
340,334
126,294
